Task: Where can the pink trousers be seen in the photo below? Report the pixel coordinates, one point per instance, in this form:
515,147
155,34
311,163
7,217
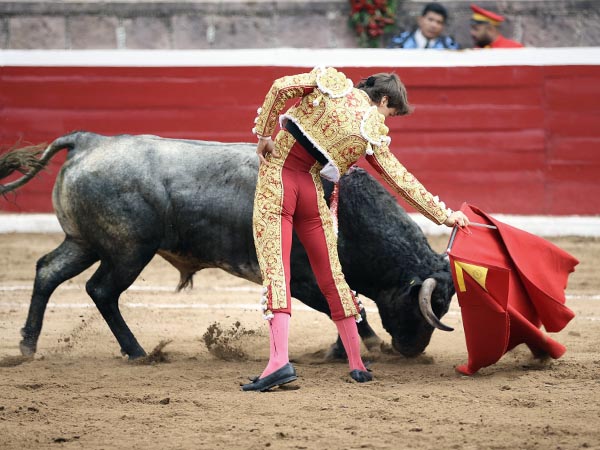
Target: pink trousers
289,196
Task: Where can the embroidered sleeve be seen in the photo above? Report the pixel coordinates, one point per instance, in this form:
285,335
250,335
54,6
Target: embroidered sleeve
403,182
283,89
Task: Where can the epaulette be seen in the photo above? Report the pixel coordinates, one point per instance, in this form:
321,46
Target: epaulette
373,129
333,83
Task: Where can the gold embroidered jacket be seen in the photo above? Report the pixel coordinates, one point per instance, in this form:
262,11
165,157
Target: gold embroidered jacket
343,125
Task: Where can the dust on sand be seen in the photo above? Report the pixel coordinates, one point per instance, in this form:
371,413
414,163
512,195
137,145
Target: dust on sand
226,343
80,392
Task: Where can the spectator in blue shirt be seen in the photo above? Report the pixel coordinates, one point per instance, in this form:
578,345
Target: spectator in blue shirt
428,33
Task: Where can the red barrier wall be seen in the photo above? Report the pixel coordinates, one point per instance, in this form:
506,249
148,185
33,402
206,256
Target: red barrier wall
512,139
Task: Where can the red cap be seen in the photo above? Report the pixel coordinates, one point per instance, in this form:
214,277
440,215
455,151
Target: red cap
483,15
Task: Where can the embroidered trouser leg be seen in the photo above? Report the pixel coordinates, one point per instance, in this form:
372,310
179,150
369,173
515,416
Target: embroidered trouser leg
289,195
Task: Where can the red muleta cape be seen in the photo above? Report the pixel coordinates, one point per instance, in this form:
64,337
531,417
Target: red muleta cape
509,283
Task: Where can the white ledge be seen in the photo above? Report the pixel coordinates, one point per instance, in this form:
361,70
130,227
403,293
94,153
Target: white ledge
302,57
588,226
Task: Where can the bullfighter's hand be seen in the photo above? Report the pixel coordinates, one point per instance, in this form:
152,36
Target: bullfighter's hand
457,218
264,148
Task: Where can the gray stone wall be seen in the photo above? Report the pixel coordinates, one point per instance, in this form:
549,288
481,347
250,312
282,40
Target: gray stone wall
265,24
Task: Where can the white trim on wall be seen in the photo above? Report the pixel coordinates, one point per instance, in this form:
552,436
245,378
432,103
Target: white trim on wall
540,225
302,57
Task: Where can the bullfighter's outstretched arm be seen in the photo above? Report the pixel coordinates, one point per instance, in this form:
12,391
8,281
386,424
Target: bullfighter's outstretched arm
403,182
282,90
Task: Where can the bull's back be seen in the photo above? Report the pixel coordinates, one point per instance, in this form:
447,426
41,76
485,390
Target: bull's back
190,196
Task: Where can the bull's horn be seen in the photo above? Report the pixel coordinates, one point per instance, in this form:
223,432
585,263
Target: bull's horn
425,305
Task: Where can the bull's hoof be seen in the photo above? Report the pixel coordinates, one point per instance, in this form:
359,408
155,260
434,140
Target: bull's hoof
134,355
374,344
335,353
28,345
540,355
27,349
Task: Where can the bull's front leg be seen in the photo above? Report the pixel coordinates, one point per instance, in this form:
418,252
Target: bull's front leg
305,289
373,342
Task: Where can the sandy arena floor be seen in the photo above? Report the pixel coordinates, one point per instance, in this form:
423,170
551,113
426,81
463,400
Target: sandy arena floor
79,392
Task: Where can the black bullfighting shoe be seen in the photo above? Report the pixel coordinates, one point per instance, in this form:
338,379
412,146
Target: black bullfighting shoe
361,376
281,376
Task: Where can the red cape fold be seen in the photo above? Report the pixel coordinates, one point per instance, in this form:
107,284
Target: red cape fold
509,283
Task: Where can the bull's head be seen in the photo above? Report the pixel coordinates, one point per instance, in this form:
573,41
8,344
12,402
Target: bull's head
411,314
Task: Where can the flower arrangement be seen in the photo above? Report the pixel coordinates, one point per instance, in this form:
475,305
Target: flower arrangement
371,18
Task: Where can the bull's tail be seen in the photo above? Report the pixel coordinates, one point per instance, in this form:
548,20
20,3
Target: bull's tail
186,280
28,161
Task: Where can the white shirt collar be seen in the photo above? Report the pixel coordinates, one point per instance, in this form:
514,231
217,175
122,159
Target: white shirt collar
420,39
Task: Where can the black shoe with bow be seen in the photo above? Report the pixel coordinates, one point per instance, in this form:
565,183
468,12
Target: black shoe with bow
281,376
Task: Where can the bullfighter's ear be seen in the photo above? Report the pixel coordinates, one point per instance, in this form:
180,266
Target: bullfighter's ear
414,285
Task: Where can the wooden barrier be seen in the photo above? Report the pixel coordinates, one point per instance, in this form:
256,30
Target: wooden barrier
514,131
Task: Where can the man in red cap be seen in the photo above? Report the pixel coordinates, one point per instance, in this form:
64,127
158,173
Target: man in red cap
484,30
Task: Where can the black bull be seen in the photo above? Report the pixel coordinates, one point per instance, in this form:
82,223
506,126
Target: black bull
121,200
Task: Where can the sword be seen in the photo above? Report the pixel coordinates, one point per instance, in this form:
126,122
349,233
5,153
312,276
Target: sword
485,225
455,230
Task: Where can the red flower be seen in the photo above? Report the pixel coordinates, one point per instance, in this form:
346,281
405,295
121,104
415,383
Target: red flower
357,5
370,19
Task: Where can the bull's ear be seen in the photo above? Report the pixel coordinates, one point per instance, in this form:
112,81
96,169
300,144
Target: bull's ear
414,285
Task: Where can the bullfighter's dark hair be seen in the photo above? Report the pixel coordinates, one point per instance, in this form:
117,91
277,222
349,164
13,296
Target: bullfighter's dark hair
387,84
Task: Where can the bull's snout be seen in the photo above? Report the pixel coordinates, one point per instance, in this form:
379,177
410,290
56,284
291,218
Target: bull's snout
409,349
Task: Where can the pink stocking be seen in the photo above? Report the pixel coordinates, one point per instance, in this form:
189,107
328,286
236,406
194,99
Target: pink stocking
279,330
349,334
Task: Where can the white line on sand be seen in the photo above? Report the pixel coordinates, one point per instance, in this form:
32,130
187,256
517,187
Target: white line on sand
203,305
249,289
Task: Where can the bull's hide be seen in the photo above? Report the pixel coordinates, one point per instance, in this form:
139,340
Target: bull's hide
123,199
